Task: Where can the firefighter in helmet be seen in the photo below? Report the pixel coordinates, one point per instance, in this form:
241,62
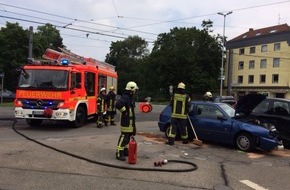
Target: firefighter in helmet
101,107
126,106
208,96
111,106
180,104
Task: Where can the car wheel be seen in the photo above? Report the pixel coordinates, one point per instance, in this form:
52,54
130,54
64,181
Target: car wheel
80,117
244,142
33,122
167,130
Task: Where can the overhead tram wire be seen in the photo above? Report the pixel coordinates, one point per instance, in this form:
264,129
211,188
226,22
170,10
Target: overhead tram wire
66,24
80,30
76,20
129,29
187,18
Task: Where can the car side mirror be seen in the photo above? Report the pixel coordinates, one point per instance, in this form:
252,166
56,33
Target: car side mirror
221,117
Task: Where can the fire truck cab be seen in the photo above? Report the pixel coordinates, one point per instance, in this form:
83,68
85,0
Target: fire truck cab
64,86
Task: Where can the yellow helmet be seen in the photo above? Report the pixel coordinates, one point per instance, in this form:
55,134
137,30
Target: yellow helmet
131,86
181,85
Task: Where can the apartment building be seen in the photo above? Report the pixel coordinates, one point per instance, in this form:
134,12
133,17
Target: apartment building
258,61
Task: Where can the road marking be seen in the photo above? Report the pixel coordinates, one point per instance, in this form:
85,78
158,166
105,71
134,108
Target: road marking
252,185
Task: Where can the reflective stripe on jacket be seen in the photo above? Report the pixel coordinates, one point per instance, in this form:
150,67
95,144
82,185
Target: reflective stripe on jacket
180,105
126,106
101,103
111,101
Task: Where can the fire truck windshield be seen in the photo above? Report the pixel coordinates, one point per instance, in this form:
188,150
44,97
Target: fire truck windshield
44,80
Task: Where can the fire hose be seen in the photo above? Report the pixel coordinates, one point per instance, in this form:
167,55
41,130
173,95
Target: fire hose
163,162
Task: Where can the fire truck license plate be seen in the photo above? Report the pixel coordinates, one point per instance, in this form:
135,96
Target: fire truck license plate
37,112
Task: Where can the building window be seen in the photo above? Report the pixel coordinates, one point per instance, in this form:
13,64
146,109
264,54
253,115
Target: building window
251,79
277,46
242,51
241,65
240,79
276,62
251,64
264,48
263,63
262,78
252,50
275,78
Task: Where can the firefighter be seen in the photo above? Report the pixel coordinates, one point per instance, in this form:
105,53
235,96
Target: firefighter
101,107
180,104
208,96
111,106
126,106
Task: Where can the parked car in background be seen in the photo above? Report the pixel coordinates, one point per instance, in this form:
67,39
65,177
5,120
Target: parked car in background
275,111
226,99
216,122
7,94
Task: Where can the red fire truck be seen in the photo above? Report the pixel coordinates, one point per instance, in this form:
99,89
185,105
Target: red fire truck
64,86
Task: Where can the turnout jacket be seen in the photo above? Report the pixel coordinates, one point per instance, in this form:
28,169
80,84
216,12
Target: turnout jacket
126,106
180,104
101,105
110,101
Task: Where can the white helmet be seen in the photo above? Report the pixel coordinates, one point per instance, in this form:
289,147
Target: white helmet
181,85
208,94
103,89
131,86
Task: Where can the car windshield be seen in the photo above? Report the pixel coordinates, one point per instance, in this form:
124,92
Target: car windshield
44,79
228,109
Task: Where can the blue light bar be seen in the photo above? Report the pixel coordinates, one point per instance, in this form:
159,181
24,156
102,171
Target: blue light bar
64,61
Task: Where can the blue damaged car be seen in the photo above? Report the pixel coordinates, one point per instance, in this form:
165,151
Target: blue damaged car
217,122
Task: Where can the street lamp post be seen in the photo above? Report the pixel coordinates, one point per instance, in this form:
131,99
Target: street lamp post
222,66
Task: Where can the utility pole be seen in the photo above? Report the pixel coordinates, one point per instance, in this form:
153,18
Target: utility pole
30,42
223,50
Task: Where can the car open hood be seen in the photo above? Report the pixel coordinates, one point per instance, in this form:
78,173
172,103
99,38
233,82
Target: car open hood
247,103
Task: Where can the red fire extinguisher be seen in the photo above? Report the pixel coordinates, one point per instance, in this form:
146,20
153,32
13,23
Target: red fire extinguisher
132,155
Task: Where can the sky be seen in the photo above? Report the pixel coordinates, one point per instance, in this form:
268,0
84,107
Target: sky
88,27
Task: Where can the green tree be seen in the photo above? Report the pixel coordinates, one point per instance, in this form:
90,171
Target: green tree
13,52
47,36
127,56
186,55
15,45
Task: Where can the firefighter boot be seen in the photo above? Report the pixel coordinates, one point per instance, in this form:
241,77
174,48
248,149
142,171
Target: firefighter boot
106,123
126,152
170,141
113,123
120,156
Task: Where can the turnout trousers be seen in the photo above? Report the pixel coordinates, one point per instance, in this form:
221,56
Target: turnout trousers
178,125
123,143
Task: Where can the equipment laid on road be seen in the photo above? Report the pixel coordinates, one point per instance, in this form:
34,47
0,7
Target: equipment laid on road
132,156
63,86
160,163
188,166
146,107
196,141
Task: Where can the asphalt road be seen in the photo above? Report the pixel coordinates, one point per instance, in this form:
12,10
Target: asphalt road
74,159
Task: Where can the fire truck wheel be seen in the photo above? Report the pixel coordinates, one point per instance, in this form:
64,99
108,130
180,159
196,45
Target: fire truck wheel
33,122
80,117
